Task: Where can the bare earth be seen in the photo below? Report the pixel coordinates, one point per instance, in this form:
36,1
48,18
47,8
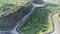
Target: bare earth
56,24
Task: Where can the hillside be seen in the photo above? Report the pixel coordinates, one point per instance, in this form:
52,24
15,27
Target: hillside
11,13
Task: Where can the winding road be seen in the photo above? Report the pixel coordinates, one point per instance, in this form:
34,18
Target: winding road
21,21
14,31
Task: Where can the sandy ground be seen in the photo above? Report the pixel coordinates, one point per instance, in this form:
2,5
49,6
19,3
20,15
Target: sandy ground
58,23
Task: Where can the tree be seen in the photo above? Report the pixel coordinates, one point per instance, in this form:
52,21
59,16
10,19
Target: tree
59,15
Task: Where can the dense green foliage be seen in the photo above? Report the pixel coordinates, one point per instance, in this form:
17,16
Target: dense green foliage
11,12
37,22
37,1
59,15
9,7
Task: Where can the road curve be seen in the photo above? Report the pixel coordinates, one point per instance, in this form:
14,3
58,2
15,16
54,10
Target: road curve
14,31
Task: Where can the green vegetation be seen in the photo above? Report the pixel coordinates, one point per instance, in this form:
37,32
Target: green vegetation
38,21
6,8
59,15
37,1
9,7
11,13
